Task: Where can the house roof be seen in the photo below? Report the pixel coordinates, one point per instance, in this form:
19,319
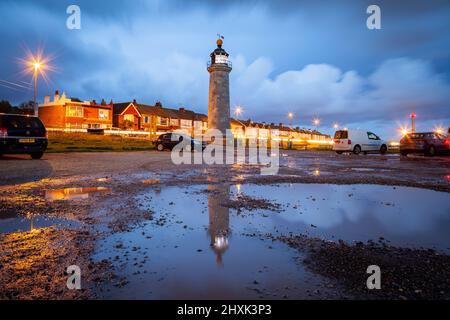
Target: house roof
120,107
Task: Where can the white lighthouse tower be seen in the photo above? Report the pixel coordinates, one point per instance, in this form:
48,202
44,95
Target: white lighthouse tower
219,68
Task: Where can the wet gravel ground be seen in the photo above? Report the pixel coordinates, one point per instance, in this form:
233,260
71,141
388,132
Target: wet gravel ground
25,266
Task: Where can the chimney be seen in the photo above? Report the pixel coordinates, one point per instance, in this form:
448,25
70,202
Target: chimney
46,99
158,104
134,101
281,124
181,109
103,102
111,102
56,98
94,102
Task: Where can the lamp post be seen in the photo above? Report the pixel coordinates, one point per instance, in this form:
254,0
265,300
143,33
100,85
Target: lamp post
37,67
316,122
290,116
413,125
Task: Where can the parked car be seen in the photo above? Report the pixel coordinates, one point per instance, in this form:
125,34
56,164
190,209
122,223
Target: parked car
21,134
429,143
358,141
171,139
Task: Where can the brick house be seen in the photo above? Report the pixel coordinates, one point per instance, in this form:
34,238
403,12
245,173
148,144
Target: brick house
156,118
73,113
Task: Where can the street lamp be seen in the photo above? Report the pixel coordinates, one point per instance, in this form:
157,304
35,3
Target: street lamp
238,111
336,126
316,122
290,116
413,125
37,67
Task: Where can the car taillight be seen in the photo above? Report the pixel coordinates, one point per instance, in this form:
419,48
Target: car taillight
447,142
349,141
3,132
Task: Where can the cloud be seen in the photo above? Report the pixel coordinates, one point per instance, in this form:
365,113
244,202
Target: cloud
396,87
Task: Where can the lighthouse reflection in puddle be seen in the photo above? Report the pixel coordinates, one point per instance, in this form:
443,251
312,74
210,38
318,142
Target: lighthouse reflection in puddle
219,220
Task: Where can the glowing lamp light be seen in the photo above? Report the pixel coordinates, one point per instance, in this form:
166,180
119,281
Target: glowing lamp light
439,130
412,115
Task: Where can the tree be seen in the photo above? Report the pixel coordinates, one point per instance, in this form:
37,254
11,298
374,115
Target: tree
5,106
26,108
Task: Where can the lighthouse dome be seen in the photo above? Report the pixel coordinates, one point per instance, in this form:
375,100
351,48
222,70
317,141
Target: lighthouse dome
219,55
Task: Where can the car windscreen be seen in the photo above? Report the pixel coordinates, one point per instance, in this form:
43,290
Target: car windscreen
12,122
341,134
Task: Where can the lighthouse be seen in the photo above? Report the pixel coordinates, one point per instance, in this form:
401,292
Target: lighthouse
219,68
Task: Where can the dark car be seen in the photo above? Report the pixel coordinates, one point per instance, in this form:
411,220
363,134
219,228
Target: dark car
429,143
21,134
171,139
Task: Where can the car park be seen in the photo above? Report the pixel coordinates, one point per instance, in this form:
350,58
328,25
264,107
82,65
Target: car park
429,143
22,134
357,141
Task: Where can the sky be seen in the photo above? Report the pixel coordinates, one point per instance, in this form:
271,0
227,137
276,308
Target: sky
316,59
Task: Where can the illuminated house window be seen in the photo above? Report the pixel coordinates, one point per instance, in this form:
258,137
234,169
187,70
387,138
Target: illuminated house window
186,123
75,111
197,124
174,122
162,121
103,114
128,117
146,120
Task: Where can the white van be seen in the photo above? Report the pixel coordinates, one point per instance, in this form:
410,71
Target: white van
358,141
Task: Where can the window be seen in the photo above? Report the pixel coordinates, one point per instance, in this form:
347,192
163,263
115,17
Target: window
146,120
174,122
341,134
75,111
186,123
221,58
162,121
197,124
128,117
372,136
103,114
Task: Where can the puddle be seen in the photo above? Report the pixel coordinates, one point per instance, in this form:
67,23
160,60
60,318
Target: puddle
10,222
195,248
72,193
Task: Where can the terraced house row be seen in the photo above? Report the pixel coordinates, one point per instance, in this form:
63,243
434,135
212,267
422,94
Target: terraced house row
73,114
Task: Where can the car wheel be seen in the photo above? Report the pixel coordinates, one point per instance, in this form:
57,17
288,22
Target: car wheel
383,149
36,155
432,151
160,147
357,149
339,152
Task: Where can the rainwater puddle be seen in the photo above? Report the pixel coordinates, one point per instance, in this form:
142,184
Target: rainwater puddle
196,248
72,193
10,222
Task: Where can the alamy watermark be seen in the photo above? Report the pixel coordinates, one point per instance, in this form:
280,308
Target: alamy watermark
74,280
213,147
374,281
374,20
73,22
